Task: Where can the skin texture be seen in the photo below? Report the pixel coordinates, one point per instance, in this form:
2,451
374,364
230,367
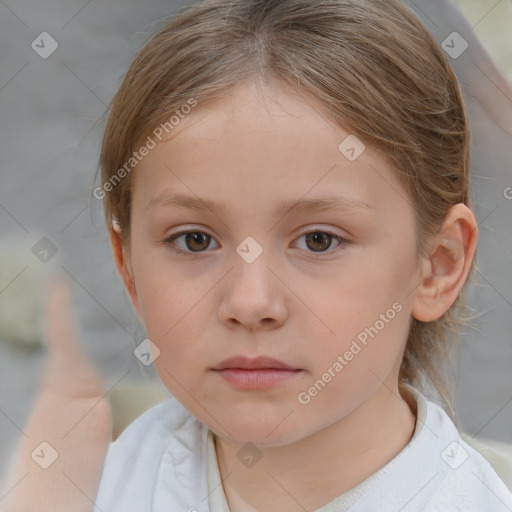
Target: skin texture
250,151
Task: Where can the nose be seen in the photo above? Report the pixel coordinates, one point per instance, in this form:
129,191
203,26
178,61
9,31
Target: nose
253,297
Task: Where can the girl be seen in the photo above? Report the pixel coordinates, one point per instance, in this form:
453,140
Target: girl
285,185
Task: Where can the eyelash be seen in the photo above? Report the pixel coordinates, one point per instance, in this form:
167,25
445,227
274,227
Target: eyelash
170,242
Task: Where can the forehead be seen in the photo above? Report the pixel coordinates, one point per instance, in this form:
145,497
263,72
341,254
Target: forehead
251,149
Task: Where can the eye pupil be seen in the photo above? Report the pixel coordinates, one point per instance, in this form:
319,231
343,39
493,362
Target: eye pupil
324,239
197,236
198,241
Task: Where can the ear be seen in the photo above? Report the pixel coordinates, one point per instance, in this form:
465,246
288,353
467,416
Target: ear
123,265
445,271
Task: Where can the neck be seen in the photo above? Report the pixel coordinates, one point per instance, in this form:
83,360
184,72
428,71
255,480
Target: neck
311,472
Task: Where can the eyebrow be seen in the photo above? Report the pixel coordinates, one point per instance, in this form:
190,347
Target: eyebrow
331,203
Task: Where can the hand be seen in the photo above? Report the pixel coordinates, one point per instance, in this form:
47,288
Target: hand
71,416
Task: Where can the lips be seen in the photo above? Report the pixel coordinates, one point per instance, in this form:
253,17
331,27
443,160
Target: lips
258,363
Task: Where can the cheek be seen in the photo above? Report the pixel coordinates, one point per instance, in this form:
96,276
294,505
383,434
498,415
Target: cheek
361,342
173,311
176,313
353,363
175,320
356,297
366,308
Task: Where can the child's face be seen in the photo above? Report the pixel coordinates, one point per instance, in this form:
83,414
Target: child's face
304,299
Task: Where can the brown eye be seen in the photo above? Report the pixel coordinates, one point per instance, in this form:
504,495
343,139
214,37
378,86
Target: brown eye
318,241
194,242
197,241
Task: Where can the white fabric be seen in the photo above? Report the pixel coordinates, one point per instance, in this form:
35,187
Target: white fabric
342,503
165,462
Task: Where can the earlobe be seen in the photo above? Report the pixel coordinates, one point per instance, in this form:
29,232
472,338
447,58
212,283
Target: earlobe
450,260
124,267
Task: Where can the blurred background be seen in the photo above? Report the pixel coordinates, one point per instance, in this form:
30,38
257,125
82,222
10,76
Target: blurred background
61,64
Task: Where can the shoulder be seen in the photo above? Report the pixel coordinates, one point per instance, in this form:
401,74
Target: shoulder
437,470
163,444
466,480
156,423
152,431
470,482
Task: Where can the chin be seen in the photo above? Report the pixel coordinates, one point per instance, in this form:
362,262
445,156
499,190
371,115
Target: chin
262,434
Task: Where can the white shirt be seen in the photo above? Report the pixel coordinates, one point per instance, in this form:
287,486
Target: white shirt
165,461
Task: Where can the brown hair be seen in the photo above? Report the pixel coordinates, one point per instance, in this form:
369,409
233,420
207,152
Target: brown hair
369,65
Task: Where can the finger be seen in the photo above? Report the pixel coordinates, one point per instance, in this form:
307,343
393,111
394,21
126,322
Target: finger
67,367
60,327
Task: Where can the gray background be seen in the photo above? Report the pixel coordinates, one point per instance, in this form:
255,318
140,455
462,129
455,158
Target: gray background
51,125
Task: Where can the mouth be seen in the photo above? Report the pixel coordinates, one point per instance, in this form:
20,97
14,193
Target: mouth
257,363
255,374
256,379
